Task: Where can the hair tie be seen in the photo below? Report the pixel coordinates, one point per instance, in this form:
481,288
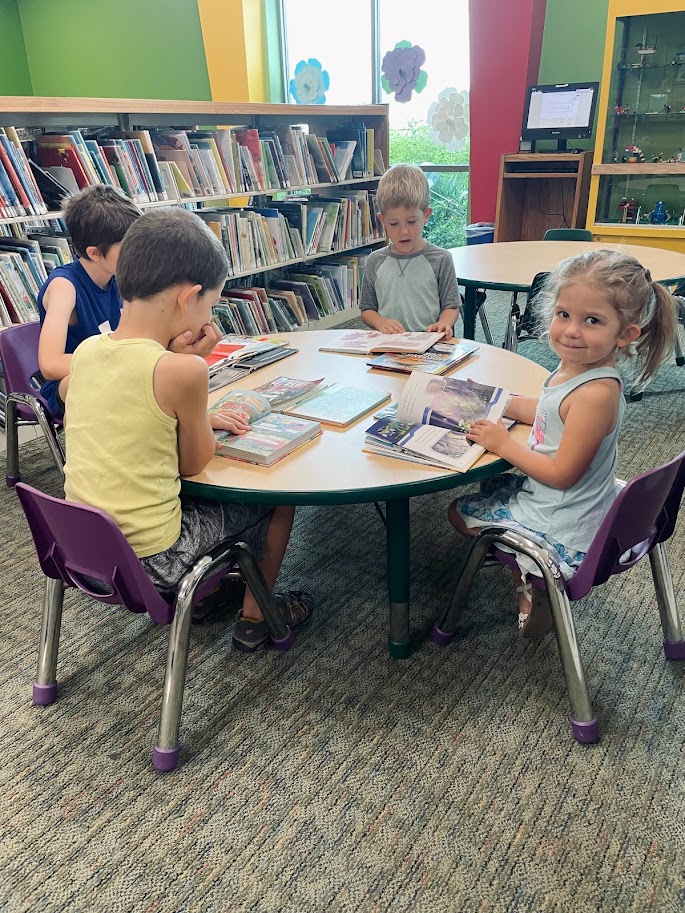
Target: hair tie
648,276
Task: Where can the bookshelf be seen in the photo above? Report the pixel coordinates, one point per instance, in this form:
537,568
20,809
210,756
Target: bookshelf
34,116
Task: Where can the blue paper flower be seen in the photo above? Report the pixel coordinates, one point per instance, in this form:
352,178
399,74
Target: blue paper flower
310,83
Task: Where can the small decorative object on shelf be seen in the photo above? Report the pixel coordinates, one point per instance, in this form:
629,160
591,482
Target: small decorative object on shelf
628,209
678,58
645,53
659,215
621,109
632,155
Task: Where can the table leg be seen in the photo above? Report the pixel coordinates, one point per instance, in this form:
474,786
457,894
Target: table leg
469,312
397,532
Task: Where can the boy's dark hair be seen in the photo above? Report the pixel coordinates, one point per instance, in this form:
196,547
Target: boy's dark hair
99,217
166,247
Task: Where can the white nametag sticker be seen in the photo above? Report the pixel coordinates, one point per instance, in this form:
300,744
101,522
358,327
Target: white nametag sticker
105,327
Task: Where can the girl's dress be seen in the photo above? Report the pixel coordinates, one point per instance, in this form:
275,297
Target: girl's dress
564,522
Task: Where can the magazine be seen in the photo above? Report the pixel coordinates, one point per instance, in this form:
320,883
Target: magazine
431,419
272,435
438,359
366,342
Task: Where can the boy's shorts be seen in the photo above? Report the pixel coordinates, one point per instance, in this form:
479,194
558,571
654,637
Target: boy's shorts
205,524
50,393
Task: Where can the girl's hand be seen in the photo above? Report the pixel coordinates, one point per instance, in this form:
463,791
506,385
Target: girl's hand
210,335
227,419
494,437
390,326
441,327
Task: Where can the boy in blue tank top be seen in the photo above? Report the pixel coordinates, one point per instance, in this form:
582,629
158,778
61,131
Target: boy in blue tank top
81,299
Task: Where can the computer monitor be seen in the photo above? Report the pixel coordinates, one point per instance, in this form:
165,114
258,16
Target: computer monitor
560,112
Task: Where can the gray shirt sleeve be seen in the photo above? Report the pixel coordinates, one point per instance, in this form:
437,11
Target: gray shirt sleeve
368,300
443,267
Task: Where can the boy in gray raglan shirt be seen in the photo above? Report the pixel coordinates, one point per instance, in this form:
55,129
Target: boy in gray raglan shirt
410,285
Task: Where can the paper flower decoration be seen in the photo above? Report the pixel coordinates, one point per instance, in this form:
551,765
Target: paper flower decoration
448,119
402,73
310,83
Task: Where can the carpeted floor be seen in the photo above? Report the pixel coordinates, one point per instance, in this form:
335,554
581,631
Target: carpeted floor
333,778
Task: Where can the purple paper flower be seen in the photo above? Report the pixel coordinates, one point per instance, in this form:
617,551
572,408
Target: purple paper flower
402,71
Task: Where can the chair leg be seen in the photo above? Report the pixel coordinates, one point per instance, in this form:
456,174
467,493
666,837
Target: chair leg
53,441
45,686
166,751
678,352
12,475
281,635
485,325
674,644
443,630
511,338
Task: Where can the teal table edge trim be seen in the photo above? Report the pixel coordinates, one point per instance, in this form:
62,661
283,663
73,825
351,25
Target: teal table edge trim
498,286
354,496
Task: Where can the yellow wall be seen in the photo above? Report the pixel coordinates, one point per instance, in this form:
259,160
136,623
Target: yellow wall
233,35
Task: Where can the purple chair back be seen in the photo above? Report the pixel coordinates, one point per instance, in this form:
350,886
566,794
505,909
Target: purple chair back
643,514
19,357
85,548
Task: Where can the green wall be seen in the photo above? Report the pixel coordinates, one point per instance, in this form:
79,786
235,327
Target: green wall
14,70
573,43
127,48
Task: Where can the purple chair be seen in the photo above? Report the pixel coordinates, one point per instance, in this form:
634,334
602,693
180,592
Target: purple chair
639,522
24,404
83,547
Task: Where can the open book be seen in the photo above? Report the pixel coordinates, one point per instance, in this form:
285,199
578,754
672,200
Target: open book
334,404
234,357
431,419
272,435
438,360
365,342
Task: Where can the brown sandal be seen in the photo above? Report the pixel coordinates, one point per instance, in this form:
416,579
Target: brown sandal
294,605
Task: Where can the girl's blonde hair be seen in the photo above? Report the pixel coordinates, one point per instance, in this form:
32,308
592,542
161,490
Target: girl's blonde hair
628,287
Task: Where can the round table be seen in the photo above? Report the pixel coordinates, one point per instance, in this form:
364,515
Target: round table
332,469
510,266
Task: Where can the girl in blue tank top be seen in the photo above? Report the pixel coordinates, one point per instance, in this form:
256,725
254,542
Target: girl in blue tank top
596,308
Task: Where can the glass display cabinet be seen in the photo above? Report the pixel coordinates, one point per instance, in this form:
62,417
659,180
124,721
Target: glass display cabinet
637,190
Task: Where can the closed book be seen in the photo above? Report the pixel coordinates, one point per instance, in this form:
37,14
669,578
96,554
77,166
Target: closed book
338,405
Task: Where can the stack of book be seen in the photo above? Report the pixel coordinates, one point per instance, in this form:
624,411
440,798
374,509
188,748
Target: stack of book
294,298
22,272
151,166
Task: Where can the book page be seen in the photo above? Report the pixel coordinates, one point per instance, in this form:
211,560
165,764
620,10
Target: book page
449,402
249,405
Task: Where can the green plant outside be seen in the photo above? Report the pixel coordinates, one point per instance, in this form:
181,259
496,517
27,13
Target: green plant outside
449,192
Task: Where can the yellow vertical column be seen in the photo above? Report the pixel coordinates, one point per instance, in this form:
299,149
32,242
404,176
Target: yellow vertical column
233,36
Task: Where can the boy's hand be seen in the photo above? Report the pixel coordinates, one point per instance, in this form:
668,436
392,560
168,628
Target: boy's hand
226,419
441,327
389,326
494,437
210,334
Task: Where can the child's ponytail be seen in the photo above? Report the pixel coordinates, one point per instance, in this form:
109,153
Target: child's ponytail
658,324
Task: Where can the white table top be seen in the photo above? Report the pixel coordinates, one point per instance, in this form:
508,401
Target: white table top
332,468
514,263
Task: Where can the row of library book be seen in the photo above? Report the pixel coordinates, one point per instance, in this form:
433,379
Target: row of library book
294,298
155,166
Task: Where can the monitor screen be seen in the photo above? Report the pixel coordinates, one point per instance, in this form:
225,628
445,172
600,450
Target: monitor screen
563,111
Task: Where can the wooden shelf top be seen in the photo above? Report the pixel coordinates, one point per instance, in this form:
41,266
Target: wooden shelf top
46,104
641,168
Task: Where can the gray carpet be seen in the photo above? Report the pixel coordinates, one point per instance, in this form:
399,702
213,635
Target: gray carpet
332,777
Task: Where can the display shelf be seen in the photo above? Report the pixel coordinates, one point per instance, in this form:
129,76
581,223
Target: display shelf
641,105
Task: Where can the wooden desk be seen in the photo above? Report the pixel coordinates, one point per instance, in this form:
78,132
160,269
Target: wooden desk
332,469
511,266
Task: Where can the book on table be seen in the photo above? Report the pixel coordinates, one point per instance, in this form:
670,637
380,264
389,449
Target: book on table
234,357
439,359
431,420
272,435
366,342
330,403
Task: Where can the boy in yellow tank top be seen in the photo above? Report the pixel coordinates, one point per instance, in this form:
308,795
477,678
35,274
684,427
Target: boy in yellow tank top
127,449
